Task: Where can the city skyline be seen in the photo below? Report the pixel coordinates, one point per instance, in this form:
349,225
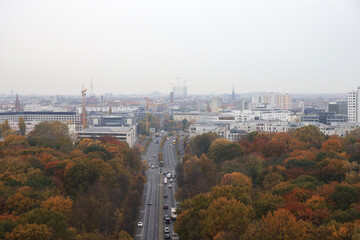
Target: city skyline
55,47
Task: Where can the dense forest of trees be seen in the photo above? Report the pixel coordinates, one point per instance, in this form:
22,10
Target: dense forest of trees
50,189
295,185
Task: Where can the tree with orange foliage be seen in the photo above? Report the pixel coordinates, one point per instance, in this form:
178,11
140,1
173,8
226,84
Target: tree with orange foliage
224,236
279,225
18,203
29,232
259,142
274,148
237,179
123,235
225,215
58,203
332,144
16,140
302,154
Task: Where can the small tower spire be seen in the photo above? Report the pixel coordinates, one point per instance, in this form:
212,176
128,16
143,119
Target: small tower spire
17,104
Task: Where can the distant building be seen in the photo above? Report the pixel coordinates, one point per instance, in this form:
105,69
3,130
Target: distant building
327,118
191,117
113,121
180,91
241,105
280,101
339,107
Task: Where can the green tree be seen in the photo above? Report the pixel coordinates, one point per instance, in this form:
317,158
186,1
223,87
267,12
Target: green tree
56,221
265,203
252,166
51,134
345,195
201,143
22,126
5,126
185,124
187,223
81,174
306,182
311,135
222,150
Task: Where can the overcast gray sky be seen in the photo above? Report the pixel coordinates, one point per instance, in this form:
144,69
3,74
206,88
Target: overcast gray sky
130,46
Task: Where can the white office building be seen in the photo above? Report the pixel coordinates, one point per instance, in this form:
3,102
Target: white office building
126,134
353,106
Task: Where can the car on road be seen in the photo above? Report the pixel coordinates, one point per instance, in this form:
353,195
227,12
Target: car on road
171,180
167,236
167,230
140,224
167,220
166,216
153,166
148,202
170,186
174,236
165,196
166,206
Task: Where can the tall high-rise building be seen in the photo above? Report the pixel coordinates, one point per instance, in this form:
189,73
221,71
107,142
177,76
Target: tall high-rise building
354,105
233,94
179,91
215,104
171,97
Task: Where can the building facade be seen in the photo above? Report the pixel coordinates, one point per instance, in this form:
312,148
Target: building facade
72,117
125,134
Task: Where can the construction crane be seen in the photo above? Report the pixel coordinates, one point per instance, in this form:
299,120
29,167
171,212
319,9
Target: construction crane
83,114
147,111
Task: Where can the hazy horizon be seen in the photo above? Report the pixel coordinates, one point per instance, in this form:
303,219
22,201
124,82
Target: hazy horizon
140,47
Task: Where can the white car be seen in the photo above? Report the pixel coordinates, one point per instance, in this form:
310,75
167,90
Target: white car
167,230
140,224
